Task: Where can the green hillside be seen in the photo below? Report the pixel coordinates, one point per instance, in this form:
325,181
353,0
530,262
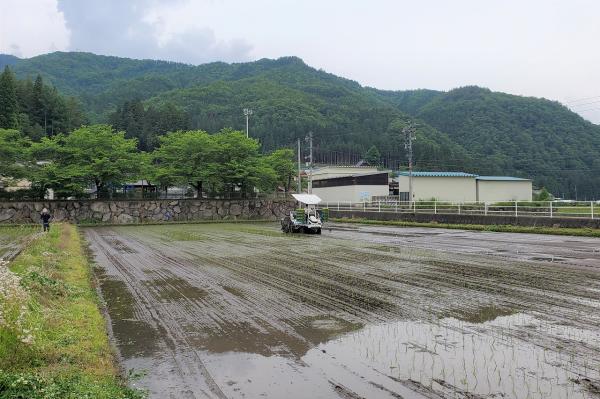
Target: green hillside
470,128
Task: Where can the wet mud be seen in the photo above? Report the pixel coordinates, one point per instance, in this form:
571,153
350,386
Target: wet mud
243,311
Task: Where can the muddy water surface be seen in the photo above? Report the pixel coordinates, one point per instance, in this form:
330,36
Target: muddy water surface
242,311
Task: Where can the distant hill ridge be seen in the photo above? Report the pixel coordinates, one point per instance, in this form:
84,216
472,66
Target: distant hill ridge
468,128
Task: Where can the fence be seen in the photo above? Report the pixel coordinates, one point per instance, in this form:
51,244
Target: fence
550,209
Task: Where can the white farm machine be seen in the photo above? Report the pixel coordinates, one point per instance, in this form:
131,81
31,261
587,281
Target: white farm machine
306,218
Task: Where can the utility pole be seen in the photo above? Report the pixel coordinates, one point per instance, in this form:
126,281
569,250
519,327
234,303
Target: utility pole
309,139
299,173
409,136
247,113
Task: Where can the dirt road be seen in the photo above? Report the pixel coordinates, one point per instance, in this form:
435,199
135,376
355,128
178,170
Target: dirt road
243,311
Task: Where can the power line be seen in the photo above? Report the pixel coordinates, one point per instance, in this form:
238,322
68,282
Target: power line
583,104
582,99
590,109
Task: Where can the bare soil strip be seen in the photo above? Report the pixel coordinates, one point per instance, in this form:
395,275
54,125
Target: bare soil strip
232,311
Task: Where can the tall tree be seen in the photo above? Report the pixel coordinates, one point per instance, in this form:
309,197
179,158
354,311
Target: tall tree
282,162
183,158
38,106
90,155
13,154
9,107
220,163
373,157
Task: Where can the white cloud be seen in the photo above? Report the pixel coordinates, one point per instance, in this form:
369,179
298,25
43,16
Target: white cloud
133,29
31,27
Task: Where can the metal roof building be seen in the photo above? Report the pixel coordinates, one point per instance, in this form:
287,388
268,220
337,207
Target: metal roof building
464,187
357,187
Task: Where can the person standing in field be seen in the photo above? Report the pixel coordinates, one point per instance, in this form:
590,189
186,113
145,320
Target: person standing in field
45,217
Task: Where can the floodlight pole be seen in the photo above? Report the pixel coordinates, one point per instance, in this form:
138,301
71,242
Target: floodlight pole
247,113
409,134
309,138
299,173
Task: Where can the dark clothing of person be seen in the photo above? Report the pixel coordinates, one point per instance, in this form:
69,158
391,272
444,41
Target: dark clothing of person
46,221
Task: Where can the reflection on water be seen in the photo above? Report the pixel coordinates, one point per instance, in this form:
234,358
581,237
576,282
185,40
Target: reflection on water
456,357
410,359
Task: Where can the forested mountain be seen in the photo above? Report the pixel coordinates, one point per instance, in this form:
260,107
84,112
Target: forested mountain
470,128
7,59
288,97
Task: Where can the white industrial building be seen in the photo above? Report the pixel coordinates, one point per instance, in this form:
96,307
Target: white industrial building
464,187
503,188
350,184
442,186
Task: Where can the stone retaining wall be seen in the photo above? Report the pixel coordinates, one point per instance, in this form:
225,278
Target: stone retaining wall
123,212
471,219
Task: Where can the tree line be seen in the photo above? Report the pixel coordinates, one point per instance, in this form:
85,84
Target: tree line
36,109
99,157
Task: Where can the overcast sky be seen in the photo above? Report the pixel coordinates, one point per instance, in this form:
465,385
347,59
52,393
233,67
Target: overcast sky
542,48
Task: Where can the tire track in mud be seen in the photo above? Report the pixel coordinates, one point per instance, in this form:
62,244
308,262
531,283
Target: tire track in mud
174,339
220,285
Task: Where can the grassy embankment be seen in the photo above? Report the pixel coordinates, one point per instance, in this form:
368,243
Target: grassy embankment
53,341
582,232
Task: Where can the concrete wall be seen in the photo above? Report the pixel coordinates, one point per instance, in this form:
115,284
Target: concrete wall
471,219
451,189
144,211
354,193
504,190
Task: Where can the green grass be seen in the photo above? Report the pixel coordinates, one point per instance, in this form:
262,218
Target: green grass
70,356
583,211
582,232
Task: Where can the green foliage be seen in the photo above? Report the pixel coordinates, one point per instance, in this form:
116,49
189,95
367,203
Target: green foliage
13,154
373,157
90,155
543,195
28,385
36,109
60,348
282,162
218,163
8,100
148,123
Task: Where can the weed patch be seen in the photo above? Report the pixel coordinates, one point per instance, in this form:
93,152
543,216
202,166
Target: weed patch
54,343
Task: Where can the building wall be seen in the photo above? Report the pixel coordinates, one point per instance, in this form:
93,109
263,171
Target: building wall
327,172
451,189
504,190
353,193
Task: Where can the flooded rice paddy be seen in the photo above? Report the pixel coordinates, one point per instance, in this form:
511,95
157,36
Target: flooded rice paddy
13,239
243,311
